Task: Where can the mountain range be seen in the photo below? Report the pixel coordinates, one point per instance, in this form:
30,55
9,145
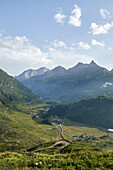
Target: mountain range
30,73
67,86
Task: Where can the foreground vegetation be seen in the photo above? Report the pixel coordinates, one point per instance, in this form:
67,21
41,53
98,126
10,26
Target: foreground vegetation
81,160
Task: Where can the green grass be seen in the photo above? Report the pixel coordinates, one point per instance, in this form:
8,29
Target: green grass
96,111
83,160
18,130
20,133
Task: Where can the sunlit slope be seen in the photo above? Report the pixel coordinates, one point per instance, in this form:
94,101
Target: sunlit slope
18,130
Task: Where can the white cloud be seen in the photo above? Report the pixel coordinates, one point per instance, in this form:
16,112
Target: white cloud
17,54
60,17
107,84
73,44
95,42
104,13
46,41
58,43
67,58
110,48
75,18
51,49
84,45
100,29
71,48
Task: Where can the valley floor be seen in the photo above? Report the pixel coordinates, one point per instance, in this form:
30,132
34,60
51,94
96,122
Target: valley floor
27,143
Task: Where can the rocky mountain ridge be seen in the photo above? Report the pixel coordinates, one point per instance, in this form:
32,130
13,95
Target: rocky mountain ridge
30,73
76,83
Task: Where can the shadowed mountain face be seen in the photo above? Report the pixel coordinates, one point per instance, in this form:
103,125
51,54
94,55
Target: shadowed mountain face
95,111
79,82
13,92
86,68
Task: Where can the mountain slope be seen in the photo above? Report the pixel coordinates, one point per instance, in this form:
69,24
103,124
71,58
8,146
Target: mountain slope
12,91
18,107
30,73
79,82
95,111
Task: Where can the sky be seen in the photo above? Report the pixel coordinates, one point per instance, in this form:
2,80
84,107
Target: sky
48,33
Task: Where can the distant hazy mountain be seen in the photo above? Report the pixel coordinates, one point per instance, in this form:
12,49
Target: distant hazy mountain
55,72
30,73
13,92
81,68
95,111
112,70
81,81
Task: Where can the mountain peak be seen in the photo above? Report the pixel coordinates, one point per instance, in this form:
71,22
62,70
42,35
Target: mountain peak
79,64
93,63
31,73
59,68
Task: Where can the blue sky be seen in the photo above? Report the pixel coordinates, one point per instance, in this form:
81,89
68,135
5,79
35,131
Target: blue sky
36,33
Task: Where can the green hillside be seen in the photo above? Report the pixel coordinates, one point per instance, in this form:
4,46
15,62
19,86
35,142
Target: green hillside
17,107
95,111
13,92
19,131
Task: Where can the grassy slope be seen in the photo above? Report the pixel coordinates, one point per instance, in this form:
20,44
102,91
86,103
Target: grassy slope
18,130
95,111
26,133
12,91
92,154
81,160
17,106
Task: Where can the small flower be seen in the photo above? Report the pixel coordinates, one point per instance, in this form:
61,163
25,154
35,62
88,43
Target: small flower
36,163
40,163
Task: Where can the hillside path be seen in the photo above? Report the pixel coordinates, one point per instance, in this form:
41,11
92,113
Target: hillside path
59,150
9,116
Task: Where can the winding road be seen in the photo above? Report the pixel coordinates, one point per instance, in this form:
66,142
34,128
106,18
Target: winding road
55,144
65,142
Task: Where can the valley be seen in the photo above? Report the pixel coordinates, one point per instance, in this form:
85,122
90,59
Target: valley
56,85
49,133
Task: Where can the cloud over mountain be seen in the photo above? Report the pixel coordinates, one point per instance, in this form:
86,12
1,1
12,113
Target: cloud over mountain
20,52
